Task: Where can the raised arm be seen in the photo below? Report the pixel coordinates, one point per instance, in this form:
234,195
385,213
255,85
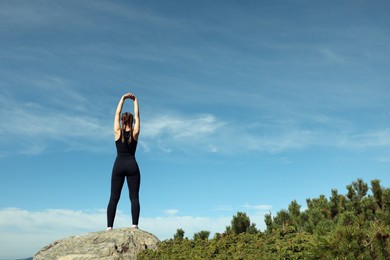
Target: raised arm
117,123
137,123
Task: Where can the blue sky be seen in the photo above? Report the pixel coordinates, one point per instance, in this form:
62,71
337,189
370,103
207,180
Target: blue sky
245,106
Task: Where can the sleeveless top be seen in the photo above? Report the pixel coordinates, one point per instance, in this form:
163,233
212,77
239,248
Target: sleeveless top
126,148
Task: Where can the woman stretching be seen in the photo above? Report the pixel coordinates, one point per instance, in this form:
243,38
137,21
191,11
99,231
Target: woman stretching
125,166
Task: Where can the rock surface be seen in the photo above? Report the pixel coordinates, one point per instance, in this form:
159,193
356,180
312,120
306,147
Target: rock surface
122,243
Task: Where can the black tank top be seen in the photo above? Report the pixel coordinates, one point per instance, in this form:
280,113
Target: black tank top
126,148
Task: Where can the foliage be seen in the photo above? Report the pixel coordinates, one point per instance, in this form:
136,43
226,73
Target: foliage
179,236
202,235
351,226
241,224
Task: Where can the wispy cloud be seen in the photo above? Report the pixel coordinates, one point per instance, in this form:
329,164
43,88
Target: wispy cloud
35,229
224,208
257,207
36,125
180,127
54,125
40,14
208,133
59,93
180,132
332,56
215,60
383,159
377,138
171,212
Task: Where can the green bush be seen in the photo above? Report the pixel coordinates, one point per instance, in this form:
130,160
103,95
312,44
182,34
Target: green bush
351,226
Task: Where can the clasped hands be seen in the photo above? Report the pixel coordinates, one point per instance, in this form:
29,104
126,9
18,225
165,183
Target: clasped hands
129,95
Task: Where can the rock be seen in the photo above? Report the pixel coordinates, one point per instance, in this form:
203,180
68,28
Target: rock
122,243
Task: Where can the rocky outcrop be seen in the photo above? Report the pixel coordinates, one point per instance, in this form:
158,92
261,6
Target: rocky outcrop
122,243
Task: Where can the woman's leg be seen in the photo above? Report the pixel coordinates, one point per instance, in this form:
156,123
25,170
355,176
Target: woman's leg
116,188
133,182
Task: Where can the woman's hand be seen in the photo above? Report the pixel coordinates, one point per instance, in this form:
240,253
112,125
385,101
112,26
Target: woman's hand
128,95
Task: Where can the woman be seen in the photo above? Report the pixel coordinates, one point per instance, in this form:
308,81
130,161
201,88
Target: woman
125,166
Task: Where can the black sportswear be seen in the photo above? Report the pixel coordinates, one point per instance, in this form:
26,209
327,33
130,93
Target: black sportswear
125,166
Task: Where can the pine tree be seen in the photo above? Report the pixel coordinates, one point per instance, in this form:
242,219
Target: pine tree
179,236
377,192
202,235
240,223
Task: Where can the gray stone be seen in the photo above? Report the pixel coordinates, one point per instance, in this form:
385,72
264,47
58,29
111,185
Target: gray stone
122,243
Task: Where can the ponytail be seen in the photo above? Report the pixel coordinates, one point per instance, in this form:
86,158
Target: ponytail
127,119
123,127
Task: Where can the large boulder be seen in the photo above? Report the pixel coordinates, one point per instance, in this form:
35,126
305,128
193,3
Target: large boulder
122,243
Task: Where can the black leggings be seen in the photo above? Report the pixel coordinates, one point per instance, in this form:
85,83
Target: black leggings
124,167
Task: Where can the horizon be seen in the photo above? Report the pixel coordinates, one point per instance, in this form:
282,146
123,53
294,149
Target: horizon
244,107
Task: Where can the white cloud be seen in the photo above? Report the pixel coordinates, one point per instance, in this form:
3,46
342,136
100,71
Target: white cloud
36,14
332,56
53,125
165,227
25,232
172,132
258,207
378,138
171,212
36,126
208,133
34,120
224,208
383,159
181,127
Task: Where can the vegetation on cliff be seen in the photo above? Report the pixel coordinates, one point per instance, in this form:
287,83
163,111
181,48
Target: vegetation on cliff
351,226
